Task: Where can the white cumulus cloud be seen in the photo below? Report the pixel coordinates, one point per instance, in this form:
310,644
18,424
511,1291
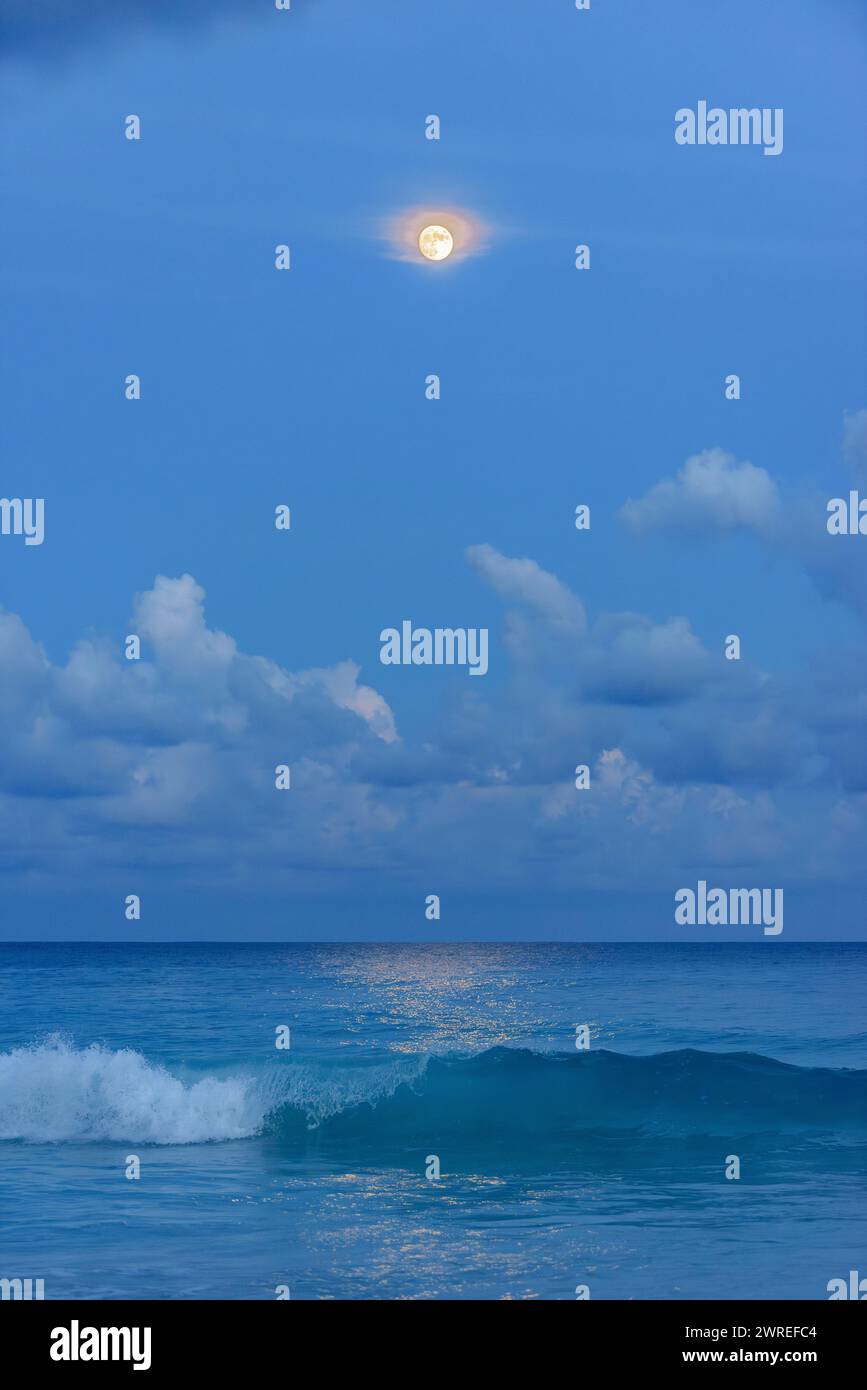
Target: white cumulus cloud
713,491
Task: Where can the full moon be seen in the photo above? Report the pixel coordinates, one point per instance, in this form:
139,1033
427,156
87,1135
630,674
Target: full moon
427,234
435,243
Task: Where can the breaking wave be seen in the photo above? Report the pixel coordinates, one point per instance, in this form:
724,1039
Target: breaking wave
54,1092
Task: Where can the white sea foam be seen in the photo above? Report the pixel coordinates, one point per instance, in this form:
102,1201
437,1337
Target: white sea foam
53,1092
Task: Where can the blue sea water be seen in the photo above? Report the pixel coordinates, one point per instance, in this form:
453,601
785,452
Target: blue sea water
305,1167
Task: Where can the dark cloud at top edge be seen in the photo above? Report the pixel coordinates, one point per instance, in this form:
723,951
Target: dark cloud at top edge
37,30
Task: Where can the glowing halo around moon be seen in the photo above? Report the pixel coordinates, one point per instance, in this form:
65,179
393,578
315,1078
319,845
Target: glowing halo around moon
434,236
435,242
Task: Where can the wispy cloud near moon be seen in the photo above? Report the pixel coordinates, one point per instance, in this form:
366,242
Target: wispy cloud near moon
400,232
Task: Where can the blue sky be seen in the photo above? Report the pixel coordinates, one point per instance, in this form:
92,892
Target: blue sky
558,388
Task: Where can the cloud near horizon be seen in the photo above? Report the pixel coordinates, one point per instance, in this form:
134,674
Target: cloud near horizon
165,766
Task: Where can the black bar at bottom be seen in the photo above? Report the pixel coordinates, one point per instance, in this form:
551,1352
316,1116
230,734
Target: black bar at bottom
230,1338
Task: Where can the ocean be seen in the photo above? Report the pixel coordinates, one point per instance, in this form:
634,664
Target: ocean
307,1171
